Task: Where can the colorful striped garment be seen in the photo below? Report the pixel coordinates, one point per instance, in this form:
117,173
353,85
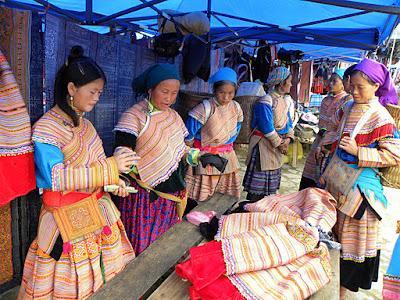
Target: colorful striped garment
327,123
214,128
271,123
16,149
271,252
160,140
70,167
360,210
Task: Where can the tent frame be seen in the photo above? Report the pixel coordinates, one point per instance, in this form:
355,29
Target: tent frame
121,25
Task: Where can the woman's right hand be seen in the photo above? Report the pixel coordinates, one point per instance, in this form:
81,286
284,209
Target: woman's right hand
125,160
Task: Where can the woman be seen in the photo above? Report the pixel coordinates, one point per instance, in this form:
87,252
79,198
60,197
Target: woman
327,130
156,133
366,143
78,218
213,126
346,78
272,133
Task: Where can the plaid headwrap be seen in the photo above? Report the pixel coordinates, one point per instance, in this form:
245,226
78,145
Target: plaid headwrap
276,76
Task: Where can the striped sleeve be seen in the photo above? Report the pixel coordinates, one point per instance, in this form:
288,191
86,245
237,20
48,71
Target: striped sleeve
387,154
52,173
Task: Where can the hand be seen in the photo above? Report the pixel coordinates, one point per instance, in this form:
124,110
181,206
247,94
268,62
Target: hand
284,146
349,145
121,191
322,181
125,160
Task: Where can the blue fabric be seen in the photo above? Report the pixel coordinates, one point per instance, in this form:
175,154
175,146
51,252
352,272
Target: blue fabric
355,32
46,157
287,127
368,181
194,128
153,75
224,74
394,266
263,119
339,72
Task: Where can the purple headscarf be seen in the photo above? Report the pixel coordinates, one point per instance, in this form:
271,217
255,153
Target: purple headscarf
378,73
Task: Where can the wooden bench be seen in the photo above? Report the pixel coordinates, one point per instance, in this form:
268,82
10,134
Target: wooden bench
159,259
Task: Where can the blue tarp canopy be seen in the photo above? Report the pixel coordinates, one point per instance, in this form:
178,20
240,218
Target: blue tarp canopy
341,29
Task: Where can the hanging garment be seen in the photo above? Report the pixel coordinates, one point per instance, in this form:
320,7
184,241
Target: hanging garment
17,173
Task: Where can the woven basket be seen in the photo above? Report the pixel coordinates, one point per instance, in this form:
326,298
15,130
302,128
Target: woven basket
391,176
187,100
246,103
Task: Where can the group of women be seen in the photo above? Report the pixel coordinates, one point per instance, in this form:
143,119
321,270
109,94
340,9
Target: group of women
160,164
357,137
85,237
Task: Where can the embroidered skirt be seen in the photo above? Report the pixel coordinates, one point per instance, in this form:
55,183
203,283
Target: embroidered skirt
260,182
146,220
360,239
92,261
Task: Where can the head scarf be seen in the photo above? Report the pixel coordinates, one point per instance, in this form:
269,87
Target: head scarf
277,76
339,72
153,76
378,73
224,74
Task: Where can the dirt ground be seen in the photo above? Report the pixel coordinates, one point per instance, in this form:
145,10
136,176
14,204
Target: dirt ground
290,183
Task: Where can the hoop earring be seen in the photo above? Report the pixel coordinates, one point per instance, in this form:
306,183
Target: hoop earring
71,103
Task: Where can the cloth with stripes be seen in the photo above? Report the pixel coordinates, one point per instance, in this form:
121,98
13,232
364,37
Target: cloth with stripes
71,160
219,126
271,252
17,173
160,140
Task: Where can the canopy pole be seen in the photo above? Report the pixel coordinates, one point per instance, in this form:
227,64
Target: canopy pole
89,12
387,9
331,19
245,19
209,19
391,53
127,11
72,16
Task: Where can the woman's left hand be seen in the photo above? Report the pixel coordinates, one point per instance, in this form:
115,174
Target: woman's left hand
121,191
349,145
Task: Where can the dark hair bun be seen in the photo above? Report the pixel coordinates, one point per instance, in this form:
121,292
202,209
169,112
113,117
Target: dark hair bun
76,52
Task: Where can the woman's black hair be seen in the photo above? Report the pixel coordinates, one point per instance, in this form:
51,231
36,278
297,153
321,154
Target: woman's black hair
221,83
80,70
348,71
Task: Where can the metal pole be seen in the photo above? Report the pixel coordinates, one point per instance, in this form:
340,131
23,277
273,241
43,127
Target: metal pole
209,19
127,11
387,9
89,12
391,53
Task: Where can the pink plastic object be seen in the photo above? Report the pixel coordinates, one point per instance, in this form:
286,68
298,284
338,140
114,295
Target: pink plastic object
197,217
